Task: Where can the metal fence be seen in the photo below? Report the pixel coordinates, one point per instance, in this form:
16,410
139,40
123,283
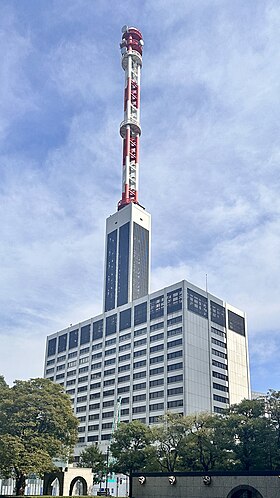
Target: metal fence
33,487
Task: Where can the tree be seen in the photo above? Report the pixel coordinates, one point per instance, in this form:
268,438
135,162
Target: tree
130,447
169,439
92,457
36,425
250,431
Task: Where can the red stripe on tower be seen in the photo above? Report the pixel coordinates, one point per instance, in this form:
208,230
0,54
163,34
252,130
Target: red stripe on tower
130,130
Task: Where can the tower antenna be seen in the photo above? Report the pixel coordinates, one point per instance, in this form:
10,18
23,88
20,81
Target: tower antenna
130,131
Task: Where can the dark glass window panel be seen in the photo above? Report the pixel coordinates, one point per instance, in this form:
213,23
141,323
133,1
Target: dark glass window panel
218,313
157,406
173,344
140,313
236,323
174,378
156,326
140,267
123,264
175,354
85,334
110,279
52,346
176,319
220,387
97,330
125,319
221,399
111,325
62,343
197,304
174,301
156,307
175,404
73,339
175,390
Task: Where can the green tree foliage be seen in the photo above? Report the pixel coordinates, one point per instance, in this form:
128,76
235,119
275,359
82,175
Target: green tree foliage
130,447
92,457
36,425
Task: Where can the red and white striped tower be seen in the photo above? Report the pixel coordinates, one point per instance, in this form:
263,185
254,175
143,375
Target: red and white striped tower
131,49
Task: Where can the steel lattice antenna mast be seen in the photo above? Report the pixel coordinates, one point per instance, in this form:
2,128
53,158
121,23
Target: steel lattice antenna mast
131,49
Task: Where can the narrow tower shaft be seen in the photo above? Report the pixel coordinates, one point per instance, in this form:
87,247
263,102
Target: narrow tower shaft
131,49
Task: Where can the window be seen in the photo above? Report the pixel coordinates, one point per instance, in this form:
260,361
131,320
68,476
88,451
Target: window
219,353
109,382
123,389
95,347
61,358
175,404
138,364
84,351
220,387
175,390
172,332
111,361
197,304
107,414
174,366
219,375
108,352
123,264
82,388
111,325
85,334
140,332
81,399
110,280
236,323
110,371
218,332
82,419
175,354
218,409
174,301
107,425
158,347
110,392
140,313
156,326
156,371
125,401
83,370
52,346
125,378
73,339
81,440
173,344
218,313
95,375
172,321
139,375
139,409
124,357
97,330
109,342
72,382
62,343
139,397
83,379
72,355
125,319
174,378
156,382
141,385
72,363
218,343
96,366
221,399
140,266
94,396
71,372
92,438
50,370
153,420
108,403
140,342
125,411
96,356
157,394
142,352
156,406
124,347
156,359
84,360
156,307
96,385
93,427
70,391
80,409
124,337
60,367
216,363
94,416
157,337
124,368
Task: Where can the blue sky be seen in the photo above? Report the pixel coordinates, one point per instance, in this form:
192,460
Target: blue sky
209,161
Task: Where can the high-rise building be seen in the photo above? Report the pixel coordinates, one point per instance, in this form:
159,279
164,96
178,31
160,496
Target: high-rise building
179,349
